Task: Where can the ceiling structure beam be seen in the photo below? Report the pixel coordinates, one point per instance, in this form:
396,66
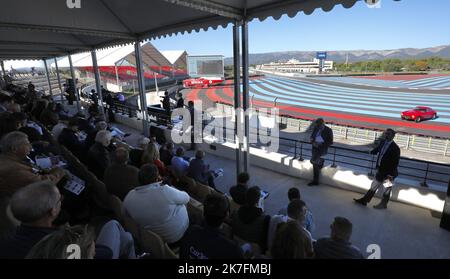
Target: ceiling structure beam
67,30
210,7
29,43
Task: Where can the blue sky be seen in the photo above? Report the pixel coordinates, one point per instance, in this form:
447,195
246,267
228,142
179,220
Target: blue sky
408,23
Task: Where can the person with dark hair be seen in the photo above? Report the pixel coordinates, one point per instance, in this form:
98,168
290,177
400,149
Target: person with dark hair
338,245
291,242
5,102
166,153
191,109
38,108
296,211
387,164
10,122
69,138
180,101
49,117
158,207
179,165
70,94
120,177
249,222
199,171
207,241
166,102
294,194
239,191
94,97
31,92
321,139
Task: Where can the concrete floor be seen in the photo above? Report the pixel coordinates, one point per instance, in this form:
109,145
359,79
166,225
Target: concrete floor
401,231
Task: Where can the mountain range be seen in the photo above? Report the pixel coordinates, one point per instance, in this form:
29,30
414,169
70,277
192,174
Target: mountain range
353,55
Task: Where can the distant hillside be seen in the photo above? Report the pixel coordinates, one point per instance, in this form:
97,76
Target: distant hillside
353,55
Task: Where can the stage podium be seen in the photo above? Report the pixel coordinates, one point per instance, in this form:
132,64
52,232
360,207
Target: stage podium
445,219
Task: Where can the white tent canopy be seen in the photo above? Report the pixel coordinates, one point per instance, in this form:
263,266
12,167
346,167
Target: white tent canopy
49,28
105,57
173,55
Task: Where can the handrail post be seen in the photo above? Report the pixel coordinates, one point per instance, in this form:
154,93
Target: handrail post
301,152
371,167
424,183
295,150
334,159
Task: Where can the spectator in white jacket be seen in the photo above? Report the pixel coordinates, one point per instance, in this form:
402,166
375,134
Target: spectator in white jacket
158,207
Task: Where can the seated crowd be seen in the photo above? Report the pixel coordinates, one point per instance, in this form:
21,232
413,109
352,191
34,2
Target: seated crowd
129,190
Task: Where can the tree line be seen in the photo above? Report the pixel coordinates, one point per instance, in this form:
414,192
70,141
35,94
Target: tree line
396,65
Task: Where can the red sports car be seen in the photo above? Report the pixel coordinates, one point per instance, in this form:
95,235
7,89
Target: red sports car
201,82
419,113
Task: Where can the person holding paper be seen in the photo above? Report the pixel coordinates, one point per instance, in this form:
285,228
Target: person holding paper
387,164
15,170
321,139
199,171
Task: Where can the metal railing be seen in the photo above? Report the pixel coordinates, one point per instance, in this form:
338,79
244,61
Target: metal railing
421,171
432,145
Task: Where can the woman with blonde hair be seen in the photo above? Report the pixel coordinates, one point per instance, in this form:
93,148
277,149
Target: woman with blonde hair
151,156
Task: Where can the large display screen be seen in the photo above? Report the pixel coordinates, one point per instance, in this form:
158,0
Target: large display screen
205,66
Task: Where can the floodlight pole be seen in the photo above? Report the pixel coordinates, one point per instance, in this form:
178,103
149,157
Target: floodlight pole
141,85
97,79
74,84
48,78
245,95
237,96
59,80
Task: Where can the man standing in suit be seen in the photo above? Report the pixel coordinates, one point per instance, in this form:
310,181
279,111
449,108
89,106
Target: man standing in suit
166,102
321,139
387,164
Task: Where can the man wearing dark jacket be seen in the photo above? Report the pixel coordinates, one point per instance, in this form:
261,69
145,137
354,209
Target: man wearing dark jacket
166,101
207,241
99,157
338,245
249,222
199,171
180,101
69,138
321,139
239,191
387,164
